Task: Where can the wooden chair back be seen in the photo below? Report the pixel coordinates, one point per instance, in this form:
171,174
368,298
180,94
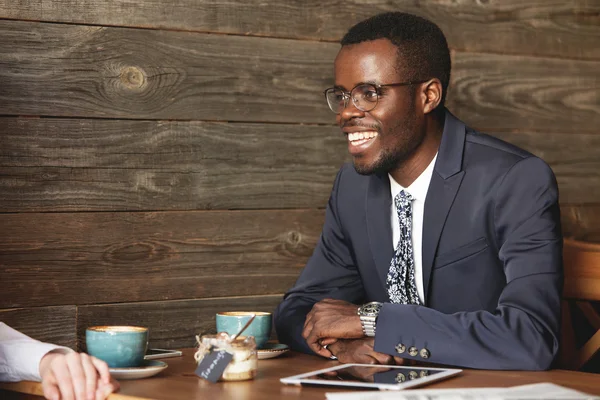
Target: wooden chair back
581,287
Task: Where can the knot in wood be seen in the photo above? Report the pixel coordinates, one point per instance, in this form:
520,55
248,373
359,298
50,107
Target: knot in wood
132,77
294,238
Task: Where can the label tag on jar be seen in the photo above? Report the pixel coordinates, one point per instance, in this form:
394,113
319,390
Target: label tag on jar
213,364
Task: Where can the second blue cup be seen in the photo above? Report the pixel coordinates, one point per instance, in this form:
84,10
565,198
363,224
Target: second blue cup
233,321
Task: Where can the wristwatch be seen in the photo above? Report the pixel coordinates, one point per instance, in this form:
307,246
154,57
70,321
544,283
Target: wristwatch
368,316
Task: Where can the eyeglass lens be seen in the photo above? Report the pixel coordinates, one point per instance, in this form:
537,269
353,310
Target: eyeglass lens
363,96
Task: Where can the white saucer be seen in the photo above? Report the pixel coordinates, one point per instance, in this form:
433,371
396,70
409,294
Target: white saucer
150,368
272,350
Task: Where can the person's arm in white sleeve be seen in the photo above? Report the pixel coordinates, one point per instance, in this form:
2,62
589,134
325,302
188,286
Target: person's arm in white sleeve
20,355
64,373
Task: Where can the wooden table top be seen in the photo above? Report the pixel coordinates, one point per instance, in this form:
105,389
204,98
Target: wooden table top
178,381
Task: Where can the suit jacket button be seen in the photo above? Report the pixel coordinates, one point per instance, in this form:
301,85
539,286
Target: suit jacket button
425,354
413,375
413,351
400,348
400,377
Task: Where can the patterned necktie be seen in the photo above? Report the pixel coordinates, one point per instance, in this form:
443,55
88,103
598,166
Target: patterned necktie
400,281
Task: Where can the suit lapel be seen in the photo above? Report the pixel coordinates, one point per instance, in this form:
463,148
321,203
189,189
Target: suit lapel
379,203
444,185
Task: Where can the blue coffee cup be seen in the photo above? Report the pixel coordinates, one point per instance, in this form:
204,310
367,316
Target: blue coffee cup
233,321
118,346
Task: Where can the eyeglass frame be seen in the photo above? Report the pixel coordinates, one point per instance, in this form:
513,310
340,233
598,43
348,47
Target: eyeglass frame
348,95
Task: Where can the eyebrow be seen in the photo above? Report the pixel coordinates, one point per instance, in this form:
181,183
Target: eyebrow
371,82
374,83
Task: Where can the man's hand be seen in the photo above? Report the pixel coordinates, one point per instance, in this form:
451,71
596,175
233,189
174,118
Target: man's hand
75,376
330,320
360,351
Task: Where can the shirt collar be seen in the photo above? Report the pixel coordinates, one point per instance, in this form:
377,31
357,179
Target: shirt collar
418,189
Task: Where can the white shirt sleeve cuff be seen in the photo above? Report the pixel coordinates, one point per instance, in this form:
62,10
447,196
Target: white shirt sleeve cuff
20,359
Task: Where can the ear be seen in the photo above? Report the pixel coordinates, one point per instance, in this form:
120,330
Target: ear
432,95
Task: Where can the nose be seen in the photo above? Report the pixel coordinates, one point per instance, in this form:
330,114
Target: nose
350,111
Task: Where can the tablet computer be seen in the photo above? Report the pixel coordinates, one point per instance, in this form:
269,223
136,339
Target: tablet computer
384,377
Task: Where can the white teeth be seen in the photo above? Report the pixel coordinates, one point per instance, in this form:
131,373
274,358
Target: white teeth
357,138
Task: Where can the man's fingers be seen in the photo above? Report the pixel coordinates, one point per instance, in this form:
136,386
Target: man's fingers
317,348
102,369
381,358
314,342
399,361
324,352
308,325
314,345
78,379
91,376
327,341
308,318
306,331
366,359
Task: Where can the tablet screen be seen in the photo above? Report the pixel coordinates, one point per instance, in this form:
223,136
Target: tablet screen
375,376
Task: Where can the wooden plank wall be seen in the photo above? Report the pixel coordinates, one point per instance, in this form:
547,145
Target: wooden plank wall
163,160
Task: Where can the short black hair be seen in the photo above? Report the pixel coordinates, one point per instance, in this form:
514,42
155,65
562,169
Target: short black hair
422,47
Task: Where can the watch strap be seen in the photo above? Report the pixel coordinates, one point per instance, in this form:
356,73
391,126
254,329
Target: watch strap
368,318
368,325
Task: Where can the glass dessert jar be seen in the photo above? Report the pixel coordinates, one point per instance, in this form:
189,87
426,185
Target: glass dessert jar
245,359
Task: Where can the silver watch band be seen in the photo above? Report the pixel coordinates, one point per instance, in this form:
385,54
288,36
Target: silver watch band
368,314
368,325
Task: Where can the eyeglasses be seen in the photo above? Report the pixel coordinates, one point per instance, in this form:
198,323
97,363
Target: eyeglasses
364,95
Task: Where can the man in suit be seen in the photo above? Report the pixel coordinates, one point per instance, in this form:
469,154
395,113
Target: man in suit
440,243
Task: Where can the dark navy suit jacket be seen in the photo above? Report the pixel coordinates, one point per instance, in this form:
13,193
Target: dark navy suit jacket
492,258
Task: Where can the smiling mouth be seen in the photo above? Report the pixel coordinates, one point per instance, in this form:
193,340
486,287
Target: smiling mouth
360,138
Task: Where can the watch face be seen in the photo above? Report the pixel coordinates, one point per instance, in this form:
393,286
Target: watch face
371,308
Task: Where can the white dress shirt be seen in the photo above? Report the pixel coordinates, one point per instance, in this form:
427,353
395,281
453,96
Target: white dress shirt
418,190
20,355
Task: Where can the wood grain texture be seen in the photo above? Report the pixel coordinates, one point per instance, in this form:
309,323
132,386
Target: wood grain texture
581,222
120,165
172,146
69,70
178,381
48,324
172,324
527,94
78,165
543,27
81,71
89,258
582,271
